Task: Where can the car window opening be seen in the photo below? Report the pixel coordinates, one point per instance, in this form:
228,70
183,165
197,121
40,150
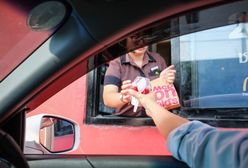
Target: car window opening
211,77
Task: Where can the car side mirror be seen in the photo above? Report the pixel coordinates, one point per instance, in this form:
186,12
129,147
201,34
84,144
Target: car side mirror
56,134
49,133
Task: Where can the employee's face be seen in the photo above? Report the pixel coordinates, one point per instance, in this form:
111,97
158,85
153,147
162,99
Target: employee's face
140,50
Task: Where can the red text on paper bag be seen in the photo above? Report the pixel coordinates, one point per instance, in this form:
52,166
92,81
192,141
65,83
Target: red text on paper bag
165,93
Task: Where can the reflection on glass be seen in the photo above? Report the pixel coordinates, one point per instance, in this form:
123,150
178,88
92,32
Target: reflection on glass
239,32
56,134
214,69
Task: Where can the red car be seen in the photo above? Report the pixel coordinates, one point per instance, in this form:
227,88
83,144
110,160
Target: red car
53,58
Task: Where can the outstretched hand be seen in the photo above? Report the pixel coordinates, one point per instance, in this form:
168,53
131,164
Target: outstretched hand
144,99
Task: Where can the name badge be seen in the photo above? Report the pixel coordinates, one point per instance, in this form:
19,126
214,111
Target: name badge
155,71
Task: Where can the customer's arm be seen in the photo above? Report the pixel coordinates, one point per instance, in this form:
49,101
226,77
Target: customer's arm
196,143
163,119
200,145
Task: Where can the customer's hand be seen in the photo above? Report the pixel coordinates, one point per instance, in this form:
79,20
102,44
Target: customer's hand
125,96
163,119
144,99
169,74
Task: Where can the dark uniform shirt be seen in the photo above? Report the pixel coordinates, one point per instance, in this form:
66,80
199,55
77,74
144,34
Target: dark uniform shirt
123,68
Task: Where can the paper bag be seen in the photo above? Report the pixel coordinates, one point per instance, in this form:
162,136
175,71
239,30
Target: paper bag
165,93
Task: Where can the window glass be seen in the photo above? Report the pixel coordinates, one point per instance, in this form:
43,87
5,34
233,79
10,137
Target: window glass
16,35
214,68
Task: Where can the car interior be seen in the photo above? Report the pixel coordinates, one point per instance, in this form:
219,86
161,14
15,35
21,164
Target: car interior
50,50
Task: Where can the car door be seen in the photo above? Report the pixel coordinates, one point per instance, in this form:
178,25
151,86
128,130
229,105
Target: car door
75,46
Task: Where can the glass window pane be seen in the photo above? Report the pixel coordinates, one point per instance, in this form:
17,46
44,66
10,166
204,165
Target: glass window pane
214,67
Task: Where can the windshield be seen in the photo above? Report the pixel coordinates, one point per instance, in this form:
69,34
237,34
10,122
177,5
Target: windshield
18,40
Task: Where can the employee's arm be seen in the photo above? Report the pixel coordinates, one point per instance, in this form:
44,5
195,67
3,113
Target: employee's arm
115,99
111,96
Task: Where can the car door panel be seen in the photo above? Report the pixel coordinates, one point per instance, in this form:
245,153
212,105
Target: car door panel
78,161
135,161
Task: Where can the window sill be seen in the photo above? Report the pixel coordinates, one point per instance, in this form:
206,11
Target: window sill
119,120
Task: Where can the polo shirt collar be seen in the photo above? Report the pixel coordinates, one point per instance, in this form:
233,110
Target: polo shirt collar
148,58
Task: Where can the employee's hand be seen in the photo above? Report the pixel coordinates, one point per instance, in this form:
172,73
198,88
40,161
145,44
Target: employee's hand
125,96
146,100
169,74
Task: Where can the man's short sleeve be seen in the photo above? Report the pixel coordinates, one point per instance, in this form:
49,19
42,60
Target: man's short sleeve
113,73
